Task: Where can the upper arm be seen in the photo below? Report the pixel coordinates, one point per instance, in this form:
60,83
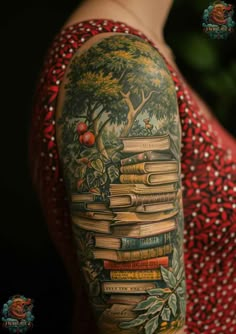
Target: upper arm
117,90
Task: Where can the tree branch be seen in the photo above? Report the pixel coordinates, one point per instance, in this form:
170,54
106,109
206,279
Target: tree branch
122,75
99,114
127,100
145,99
103,126
143,96
150,94
133,113
94,108
125,96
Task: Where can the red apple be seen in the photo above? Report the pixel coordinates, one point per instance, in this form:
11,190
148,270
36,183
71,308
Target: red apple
81,128
81,139
88,139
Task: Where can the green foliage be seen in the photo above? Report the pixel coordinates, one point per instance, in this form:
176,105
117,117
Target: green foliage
98,165
98,173
172,302
145,304
157,306
168,277
159,292
135,322
152,325
102,73
165,314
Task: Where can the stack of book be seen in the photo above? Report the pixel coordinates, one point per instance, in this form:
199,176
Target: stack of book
133,234
91,213
87,202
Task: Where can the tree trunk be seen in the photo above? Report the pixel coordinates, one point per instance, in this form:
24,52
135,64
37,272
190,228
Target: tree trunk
130,120
101,147
99,141
133,113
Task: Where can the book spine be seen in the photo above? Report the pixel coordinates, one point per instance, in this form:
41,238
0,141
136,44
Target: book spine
141,168
133,169
135,275
133,178
78,206
143,253
147,264
107,215
142,144
85,197
142,199
141,189
126,218
158,207
145,156
129,287
91,225
143,243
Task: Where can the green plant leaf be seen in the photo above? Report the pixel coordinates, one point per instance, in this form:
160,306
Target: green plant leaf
103,179
115,157
83,172
168,277
165,314
88,153
182,305
172,302
97,165
80,172
175,261
152,325
90,178
145,304
113,173
180,273
159,292
97,174
155,307
183,285
180,291
135,322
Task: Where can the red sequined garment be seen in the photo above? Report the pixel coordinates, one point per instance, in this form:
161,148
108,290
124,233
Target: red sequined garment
208,177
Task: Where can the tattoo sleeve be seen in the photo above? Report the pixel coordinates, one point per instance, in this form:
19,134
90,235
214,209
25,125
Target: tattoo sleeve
119,137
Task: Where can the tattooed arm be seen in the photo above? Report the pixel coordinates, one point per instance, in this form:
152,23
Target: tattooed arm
119,137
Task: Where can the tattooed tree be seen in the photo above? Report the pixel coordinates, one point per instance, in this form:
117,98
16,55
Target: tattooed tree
114,85
119,85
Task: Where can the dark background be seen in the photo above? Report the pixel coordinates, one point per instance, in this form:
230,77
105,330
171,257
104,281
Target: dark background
29,262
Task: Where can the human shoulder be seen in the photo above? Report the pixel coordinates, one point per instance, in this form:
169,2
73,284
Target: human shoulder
118,60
